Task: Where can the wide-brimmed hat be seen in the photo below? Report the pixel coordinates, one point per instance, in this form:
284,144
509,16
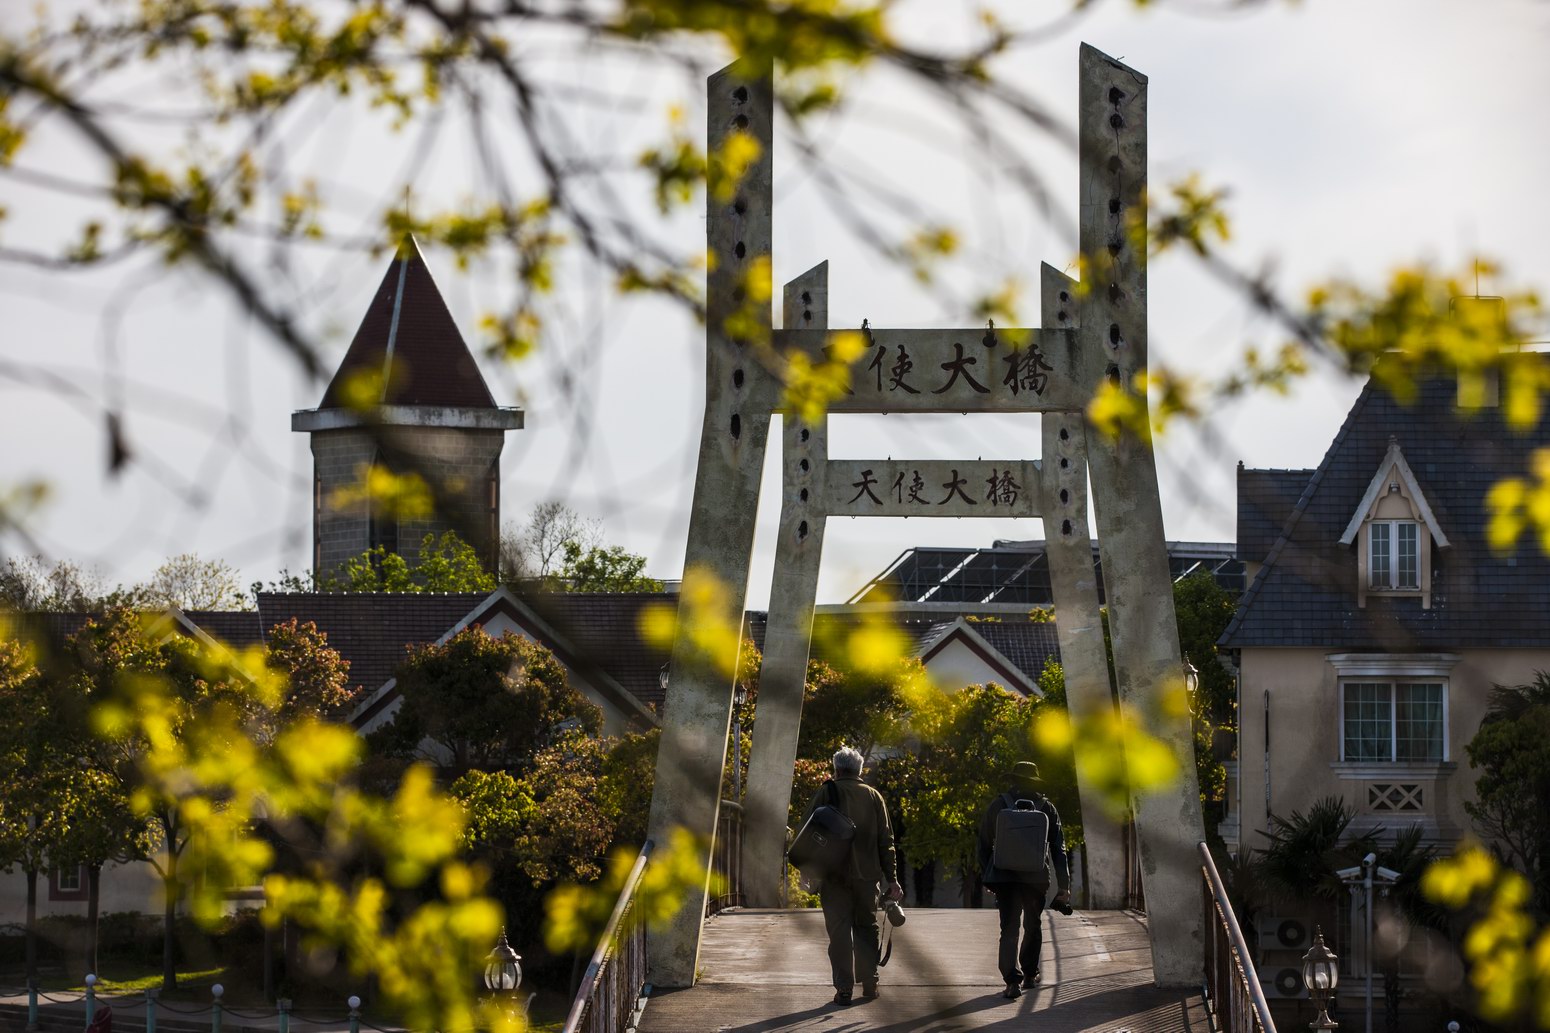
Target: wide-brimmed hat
1024,771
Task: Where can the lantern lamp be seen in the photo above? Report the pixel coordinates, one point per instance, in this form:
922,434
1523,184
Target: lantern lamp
503,969
1321,975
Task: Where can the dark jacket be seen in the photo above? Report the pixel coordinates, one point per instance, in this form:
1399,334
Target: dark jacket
871,853
991,875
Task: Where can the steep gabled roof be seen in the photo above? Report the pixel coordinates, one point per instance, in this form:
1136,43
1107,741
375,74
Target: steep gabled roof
1306,593
408,336
1018,650
1394,460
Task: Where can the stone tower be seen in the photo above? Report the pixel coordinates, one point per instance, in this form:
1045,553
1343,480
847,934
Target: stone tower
408,398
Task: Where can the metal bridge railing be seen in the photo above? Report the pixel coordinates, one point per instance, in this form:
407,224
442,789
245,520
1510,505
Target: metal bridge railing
1232,986
727,859
610,989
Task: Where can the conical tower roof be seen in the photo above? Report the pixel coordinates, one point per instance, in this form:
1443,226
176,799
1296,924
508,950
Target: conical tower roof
409,338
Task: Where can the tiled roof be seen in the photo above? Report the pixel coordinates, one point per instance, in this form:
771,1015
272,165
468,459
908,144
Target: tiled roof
1026,644
1306,594
430,363
371,629
604,628
233,627
1266,499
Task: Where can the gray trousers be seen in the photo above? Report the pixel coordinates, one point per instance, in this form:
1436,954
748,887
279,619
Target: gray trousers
850,917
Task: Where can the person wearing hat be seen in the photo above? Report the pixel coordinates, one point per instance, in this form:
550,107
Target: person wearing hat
1020,895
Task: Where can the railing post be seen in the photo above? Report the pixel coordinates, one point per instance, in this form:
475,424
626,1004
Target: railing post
215,1007
32,1005
150,1009
355,1013
91,997
284,1006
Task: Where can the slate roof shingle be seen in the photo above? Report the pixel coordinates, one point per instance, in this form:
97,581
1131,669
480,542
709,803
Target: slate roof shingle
1266,499
1306,594
431,364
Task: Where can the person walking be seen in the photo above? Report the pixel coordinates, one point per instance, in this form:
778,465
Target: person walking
849,895
1020,892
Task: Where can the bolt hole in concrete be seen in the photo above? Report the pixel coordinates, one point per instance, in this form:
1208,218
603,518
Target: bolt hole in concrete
1113,375
802,530
1064,296
1065,435
807,297
805,465
737,426
740,205
1062,316
1116,95
1115,164
1114,334
740,95
1114,206
802,494
741,121
1115,294
807,315
737,378
805,434
1065,463
1065,496
1065,527
740,250
1117,120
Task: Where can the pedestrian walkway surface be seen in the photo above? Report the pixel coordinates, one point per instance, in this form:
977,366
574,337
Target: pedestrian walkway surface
767,970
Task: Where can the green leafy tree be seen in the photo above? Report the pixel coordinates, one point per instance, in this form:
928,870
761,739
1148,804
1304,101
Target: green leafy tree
602,569
101,827
861,709
1204,609
629,773
484,702
35,793
445,564
1511,753
968,740
114,660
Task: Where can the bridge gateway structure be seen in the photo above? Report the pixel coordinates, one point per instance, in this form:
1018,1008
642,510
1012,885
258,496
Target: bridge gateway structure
1089,335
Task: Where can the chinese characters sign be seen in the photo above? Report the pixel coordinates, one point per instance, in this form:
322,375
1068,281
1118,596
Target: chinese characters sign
933,487
946,371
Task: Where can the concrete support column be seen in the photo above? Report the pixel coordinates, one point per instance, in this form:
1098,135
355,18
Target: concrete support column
1078,623
1112,148
787,636
739,396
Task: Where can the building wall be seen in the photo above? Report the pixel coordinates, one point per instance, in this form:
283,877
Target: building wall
957,665
462,464
123,887
1302,686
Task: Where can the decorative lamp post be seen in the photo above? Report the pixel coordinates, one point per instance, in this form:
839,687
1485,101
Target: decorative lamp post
503,970
1321,974
1191,678
662,678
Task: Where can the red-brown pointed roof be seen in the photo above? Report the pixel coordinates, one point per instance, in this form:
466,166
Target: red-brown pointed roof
409,336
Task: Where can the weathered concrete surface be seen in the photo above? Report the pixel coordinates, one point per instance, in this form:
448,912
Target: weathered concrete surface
1078,623
1147,665
794,589
740,394
765,971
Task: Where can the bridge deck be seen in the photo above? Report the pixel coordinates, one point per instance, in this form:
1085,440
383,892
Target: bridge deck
767,970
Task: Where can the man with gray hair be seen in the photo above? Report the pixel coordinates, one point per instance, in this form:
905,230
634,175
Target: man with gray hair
849,895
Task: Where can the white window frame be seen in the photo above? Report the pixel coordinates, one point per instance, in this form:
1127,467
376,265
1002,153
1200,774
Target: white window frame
1393,668
1392,583
1393,683
69,880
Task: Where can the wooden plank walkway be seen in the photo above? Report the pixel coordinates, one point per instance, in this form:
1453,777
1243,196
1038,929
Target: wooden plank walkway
767,970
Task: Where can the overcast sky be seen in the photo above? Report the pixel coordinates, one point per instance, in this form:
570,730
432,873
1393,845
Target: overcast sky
1355,135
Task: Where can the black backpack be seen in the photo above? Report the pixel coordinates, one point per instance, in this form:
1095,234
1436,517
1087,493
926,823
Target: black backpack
823,845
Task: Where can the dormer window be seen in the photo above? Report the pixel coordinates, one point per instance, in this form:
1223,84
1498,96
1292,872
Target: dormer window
1394,530
1394,555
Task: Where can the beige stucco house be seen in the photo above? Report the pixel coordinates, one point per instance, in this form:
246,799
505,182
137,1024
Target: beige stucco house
1377,619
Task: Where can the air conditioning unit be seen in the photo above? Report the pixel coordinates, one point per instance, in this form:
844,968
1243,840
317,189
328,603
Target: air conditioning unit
1285,934
1283,982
